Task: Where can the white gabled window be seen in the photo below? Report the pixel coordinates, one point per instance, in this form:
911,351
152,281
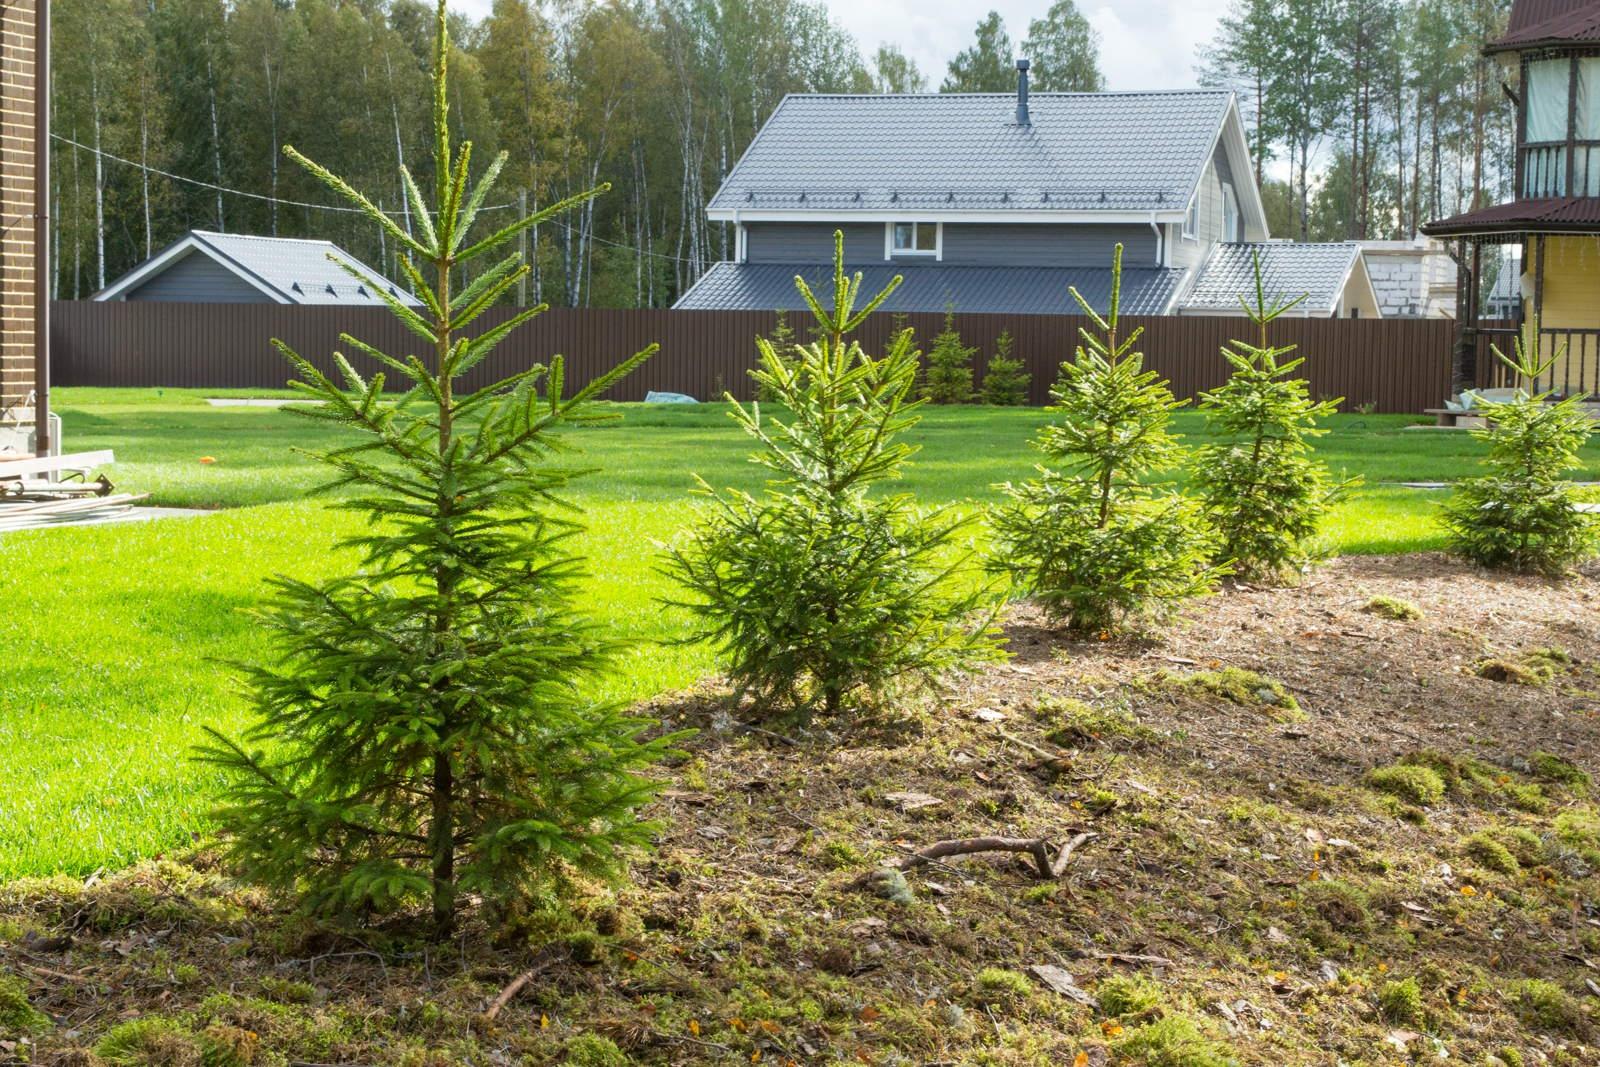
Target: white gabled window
1231,230
914,239
1191,218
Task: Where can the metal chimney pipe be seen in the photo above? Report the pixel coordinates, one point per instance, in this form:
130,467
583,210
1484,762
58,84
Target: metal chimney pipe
1022,93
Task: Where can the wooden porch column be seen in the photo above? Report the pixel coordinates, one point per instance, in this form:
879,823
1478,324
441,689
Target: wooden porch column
1464,359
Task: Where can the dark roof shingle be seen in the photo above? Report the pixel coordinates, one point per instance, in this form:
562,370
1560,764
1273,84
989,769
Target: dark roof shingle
1558,214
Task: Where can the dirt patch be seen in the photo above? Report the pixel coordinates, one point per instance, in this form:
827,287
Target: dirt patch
1248,895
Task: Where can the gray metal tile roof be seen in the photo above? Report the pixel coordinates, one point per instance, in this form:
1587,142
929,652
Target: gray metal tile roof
1287,270
1011,290
297,268
963,152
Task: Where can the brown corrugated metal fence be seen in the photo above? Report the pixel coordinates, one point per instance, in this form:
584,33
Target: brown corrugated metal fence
1396,365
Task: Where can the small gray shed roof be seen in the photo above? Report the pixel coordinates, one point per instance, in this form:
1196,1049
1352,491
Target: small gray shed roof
1318,270
289,270
1130,151
933,287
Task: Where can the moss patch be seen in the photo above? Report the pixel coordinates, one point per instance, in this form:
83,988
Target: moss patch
1236,685
1174,1041
1127,996
17,1014
1489,852
1389,607
1535,667
1547,1006
1070,723
1401,1002
1422,786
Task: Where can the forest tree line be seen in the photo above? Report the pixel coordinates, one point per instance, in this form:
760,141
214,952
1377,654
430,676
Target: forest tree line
172,114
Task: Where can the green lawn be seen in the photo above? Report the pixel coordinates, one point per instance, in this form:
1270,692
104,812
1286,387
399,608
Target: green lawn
119,637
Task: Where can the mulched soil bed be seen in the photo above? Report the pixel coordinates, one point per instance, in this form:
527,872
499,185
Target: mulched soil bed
1264,901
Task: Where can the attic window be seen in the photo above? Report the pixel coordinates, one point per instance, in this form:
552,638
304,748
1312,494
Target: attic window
1191,219
914,239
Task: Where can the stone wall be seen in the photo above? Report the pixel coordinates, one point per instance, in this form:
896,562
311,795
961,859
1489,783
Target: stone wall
1414,279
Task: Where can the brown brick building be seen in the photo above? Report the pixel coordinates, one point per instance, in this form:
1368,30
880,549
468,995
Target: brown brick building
24,167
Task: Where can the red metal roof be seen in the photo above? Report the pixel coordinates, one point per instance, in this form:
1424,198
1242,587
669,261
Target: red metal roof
1536,23
1561,214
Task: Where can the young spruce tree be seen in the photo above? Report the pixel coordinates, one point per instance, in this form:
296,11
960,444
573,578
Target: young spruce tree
949,375
1005,381
1097,547
1520,516
817,591
1262,490
423,730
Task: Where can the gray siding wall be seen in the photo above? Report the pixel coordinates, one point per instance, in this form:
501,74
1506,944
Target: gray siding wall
1018,244
197,278
1023,244
1190,252
811,242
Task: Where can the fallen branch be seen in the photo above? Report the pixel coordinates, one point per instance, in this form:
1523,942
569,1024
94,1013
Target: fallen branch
517,985
1037,847
1132,957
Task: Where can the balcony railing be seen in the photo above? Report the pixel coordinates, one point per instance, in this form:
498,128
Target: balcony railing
1575,370
1550,170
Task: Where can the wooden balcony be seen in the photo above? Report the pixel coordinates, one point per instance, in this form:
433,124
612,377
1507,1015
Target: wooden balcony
1552,170
1576,370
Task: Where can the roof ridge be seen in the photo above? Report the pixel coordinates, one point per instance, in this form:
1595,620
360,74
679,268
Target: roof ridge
1033,94
263,237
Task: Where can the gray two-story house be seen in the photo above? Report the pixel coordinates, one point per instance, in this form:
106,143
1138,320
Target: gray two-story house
993,202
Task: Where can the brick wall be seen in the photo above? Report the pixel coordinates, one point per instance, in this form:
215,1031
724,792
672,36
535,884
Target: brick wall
18,364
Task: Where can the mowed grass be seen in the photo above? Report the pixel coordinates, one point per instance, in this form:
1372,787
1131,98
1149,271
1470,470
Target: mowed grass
120,638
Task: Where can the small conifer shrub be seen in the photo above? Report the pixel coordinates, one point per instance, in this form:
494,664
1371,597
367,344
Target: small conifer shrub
783,341
1263,491
422,730
1089,539
949,373
1005,380
818,590
1519,515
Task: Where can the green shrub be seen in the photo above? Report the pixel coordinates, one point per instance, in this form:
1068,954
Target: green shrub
782,342
1401,1002
1173,1041
1389,607
1098,547
1416,785
1128,996
1263,489
17,1013
422,724
1518,515
818,591
1547,1006
1006,380
948,378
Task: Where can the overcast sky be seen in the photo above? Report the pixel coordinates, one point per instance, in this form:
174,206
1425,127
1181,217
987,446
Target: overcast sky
1144,44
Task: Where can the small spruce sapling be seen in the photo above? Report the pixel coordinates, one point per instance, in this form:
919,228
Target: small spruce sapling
423,731
1005,381
949,373
783,342
817,591
1519,515
1095,545
1262,490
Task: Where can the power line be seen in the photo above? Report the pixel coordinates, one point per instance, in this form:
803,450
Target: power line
347,210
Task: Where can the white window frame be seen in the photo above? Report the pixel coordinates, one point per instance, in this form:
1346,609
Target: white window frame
1191,219
891,252
1232,219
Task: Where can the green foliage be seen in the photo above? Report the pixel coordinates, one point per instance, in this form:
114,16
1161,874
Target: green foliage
17,1014
783,343
1124,996
1339,903
1547,1006
422,733
998,983
1416,785
817,590
1094,544
1263,491
985,66
1236,685
594,1050
1173,1041
1519,515
1554,768
948,379
1389,607
1489,852
152,1041
1401,1002
1005,379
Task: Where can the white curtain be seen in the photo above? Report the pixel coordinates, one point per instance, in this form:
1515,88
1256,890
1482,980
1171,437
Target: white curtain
1548,85
1589,98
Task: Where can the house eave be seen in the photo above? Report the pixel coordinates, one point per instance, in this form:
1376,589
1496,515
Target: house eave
929,215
